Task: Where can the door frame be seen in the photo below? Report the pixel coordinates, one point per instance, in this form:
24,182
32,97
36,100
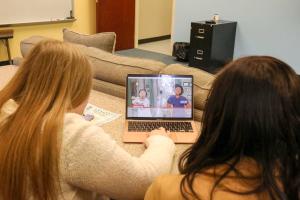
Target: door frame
136,21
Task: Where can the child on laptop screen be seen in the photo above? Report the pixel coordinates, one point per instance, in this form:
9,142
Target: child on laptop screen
142,104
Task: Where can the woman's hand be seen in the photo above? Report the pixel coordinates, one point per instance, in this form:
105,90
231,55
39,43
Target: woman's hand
160,131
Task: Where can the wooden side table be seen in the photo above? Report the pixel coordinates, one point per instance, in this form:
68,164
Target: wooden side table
4,36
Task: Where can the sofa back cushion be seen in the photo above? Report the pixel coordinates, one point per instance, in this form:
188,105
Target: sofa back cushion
106,66
114,68
28,43
202,81
105,41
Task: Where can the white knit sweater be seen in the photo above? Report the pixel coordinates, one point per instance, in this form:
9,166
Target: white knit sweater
94,166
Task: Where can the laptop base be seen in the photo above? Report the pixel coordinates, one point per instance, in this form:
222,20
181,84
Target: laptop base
177,137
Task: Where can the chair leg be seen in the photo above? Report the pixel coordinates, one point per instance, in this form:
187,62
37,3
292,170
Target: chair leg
8,51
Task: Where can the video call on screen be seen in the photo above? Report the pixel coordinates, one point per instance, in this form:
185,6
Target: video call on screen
159,97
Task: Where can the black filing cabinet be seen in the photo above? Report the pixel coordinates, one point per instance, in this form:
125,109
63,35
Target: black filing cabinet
211,44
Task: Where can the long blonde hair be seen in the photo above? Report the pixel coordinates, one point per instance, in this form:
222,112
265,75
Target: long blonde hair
54,78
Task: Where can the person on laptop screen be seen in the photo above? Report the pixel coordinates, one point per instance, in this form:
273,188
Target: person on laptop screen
177,100
141,100
178,103
142,103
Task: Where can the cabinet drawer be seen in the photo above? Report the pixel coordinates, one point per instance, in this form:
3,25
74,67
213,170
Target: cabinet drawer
198,54
200,32
201,37
198,61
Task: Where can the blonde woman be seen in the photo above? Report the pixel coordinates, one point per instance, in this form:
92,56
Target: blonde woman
48,151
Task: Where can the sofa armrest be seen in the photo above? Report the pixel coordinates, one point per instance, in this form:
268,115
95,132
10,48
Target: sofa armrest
27,44
109,88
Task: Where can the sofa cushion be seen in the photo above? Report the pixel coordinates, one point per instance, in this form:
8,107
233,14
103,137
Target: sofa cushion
114,68
202,81
28,43
109,88
105,41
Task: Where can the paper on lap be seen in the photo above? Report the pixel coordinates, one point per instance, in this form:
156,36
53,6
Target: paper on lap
101,116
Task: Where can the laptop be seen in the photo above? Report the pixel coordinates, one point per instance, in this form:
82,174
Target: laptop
154,101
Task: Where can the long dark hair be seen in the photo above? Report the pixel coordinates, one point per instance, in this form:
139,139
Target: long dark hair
252,112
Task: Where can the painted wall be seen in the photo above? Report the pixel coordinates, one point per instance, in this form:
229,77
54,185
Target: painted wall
155,18
269,27
85,13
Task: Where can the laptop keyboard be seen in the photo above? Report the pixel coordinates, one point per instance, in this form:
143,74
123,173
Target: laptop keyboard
139,126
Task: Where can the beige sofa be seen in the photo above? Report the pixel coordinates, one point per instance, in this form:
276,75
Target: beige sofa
110,72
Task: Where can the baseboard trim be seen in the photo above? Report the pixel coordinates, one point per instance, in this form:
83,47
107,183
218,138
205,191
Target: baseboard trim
2,63
154,39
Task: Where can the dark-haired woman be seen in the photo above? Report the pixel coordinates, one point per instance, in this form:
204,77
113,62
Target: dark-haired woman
249,143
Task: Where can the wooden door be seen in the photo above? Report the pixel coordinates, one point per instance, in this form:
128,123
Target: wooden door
117,16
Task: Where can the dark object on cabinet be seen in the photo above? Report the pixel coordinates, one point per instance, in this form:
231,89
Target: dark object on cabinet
211,44
181,51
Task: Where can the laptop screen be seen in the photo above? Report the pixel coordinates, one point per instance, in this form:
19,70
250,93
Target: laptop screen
159,97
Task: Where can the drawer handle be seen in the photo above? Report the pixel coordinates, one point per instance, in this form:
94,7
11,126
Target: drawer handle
200,52
199,37
201,30
198,58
